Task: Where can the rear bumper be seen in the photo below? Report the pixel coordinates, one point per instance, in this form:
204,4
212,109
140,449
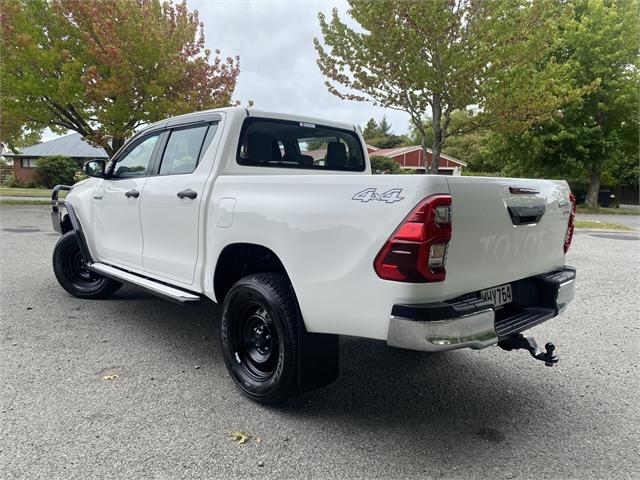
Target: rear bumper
473,323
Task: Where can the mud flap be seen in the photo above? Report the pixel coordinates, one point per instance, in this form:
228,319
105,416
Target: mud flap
318,355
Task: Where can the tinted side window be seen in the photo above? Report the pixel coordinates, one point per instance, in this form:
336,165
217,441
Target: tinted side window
287,144
136,162
183,149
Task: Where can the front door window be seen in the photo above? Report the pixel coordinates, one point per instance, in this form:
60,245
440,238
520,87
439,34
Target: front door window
136,162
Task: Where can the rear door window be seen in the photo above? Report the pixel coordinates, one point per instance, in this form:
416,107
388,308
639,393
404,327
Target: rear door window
288,144
183,150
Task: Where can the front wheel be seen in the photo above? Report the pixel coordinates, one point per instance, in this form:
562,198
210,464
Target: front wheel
259,337
72,273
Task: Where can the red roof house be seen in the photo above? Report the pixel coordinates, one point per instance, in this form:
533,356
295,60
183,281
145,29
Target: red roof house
412,158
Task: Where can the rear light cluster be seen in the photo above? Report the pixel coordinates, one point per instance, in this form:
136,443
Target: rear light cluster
571,226
417,250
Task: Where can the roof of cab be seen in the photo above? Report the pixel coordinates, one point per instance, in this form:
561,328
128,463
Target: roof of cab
244,112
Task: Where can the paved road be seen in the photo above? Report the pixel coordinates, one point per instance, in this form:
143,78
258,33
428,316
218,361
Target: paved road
630,220
392,413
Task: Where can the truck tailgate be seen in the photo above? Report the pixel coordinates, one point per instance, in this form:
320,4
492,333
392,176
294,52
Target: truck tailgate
498,233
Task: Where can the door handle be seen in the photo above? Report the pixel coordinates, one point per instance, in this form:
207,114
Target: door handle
132,193
188,193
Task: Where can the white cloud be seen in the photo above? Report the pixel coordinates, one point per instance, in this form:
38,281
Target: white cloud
274,40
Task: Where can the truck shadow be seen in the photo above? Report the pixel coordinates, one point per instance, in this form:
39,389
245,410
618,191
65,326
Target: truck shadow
446,402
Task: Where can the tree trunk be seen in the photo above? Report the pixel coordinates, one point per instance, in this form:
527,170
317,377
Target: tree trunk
594,186
425,154
435,157
438,136
112,147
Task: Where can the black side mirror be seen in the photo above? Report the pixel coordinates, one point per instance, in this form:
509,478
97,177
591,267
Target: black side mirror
94,168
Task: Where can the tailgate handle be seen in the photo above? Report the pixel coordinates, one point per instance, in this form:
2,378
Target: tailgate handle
523,191
526,215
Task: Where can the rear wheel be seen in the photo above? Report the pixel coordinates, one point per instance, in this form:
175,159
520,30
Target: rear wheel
259,337
72,273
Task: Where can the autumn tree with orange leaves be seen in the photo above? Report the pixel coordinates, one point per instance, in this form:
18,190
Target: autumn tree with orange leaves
103,69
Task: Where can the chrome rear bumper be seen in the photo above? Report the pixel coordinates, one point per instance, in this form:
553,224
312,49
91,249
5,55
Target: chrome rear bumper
474,331
473,323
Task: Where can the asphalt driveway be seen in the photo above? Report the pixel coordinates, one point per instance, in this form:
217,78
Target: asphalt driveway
391,414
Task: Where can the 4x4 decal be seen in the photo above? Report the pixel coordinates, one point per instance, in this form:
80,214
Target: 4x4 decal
369,194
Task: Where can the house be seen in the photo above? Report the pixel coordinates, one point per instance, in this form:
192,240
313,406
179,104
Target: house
72,146
412,158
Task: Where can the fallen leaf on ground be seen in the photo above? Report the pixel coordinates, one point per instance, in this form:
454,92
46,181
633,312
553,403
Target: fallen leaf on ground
110,378
240,437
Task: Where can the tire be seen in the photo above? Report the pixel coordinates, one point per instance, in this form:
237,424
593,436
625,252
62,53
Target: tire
73,275
259,337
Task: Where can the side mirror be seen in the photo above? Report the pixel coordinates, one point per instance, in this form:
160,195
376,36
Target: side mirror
94,168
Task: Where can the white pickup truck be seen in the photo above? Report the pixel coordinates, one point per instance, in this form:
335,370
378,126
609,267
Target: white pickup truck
279,219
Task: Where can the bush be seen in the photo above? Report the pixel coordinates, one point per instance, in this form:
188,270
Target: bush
11,181
52,171
470,173
384,165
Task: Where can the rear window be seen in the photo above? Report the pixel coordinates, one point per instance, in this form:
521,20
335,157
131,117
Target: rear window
287,144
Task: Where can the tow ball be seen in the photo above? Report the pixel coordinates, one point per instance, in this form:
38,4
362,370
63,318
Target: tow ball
519,341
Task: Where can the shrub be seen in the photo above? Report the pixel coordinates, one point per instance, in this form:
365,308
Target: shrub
384,165
52,171
11,181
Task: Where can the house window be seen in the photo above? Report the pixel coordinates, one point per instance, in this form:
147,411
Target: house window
29,162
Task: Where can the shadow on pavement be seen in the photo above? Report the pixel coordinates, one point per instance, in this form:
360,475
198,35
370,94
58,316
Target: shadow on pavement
471,398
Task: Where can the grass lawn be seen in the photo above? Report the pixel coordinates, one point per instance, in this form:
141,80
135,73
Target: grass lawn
608,211
28,192
596,225
26,201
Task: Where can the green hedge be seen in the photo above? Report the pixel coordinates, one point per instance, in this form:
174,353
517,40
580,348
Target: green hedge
52,171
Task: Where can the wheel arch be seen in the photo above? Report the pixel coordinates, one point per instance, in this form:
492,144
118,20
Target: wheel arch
65,224
240,259
317,353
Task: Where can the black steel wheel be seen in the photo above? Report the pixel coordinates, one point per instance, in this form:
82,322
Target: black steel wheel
258,337
72,273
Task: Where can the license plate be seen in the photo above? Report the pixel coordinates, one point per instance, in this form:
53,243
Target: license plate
499,296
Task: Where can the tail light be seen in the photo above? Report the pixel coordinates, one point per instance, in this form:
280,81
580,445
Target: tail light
571,226
417,250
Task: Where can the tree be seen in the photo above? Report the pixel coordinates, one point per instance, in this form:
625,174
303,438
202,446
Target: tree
598,134
316,144
14,133
448,55
371,129
104,68
384,127
472,146
602,45
380,134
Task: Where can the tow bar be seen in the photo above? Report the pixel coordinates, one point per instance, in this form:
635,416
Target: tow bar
519,341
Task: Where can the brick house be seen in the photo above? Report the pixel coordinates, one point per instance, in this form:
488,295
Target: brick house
412,158
72,146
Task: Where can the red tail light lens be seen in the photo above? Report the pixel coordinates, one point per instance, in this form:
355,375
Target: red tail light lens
571,225
417,250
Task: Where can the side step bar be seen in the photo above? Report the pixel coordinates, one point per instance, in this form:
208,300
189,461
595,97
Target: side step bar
152,286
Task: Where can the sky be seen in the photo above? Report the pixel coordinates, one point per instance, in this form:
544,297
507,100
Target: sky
278,71
274,39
